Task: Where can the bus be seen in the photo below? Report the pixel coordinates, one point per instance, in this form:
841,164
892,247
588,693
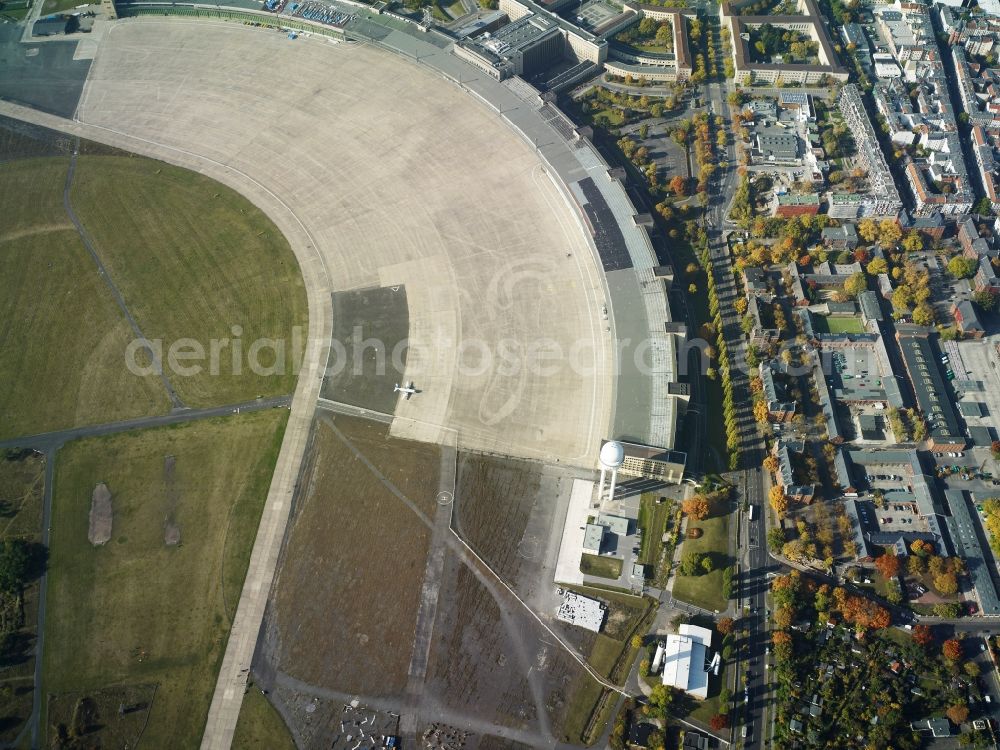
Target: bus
751,511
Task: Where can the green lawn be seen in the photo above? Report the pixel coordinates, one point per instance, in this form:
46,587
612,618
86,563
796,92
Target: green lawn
15,11
260,726
195,259
706,709
653,521
602,567
136,611
843,324
706,590
57,6
62,357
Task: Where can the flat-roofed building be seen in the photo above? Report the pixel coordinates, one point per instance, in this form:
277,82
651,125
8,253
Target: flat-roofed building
685,660
930,391
582,611
965,539
882,198
653,463
593,538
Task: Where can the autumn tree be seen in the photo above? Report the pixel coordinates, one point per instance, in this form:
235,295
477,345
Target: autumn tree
719,722
760,411
864,613
961,267
776,496
889,233
951,650
868,230
888,565
958,713
696,507
725,625
946,583
877,266
771,464
855,284
922,635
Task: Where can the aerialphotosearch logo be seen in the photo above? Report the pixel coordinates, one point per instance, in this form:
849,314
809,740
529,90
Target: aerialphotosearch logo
363,356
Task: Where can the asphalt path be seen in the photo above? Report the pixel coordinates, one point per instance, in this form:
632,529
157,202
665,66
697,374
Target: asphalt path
47,441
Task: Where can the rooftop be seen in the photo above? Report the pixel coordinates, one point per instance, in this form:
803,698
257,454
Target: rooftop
583,611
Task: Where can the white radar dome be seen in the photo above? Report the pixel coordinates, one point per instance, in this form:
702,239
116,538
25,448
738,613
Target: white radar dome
612,454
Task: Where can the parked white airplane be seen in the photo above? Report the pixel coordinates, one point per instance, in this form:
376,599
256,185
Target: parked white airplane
407,390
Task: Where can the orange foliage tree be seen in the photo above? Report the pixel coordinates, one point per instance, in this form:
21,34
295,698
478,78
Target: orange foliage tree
696,507
718,722
922,634
951,650
888,565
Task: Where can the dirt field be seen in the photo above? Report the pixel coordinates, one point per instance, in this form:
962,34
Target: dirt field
494,663
494,501
344,603
350,633
136,611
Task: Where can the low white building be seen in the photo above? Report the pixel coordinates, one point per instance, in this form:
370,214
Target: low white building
685,660
582,611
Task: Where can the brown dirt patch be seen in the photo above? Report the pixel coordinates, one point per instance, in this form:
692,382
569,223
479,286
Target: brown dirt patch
171,529
694,533
343,610
101,515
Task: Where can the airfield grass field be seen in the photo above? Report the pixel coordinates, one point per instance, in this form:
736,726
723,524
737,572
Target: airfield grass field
195,259
137,611
705,591
363,553
260,726
62,348
191,258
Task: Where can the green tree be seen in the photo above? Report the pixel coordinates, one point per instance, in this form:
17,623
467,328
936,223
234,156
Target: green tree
986,299
855,284
877,266
961,267
15,564
923,314
692,563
